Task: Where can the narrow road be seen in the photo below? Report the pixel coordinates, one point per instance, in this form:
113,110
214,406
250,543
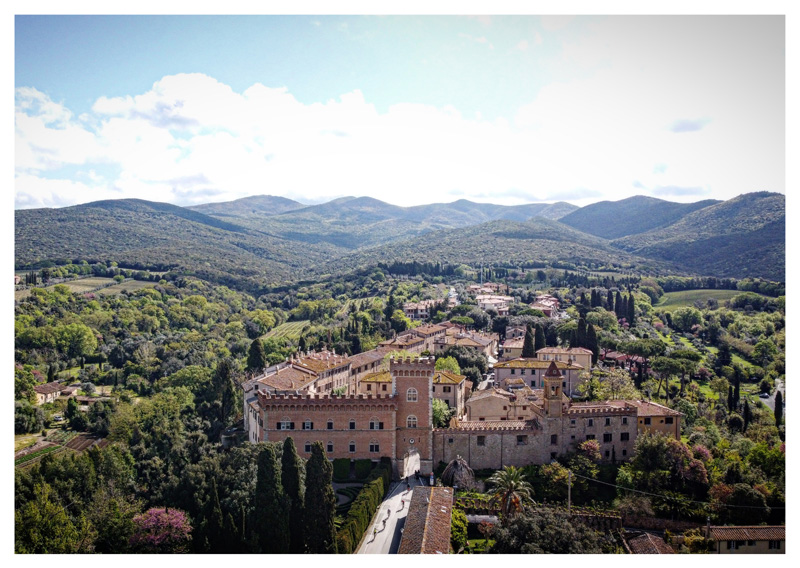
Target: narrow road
383,536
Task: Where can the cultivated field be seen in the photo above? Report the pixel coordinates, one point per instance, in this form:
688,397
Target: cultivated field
684,298
78,286
290,329
127,286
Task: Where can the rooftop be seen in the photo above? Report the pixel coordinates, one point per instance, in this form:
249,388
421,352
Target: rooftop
377,377
749,533
447,378
526,363
427,528
288,378
647,408
564,350
646,543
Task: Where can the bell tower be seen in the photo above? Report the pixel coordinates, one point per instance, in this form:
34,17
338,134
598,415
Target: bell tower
552,391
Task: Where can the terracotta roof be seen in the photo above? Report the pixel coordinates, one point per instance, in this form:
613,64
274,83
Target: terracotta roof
365,358
318,363
447,377
402,340
288,378
427,528
562,350
377,377
524,363
428,329
486,393
646,408
49,388
514,381
493,424
646,543
749,533
552,371
514,343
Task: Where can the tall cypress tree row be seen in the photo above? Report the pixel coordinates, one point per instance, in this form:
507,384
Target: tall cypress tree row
292,479
539,340
272,506
618,305
610,301
256,356
528,345
318,514
591,343
580,334
778,408
747,416
631,305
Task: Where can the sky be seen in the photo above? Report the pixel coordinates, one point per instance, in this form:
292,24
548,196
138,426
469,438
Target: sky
407,109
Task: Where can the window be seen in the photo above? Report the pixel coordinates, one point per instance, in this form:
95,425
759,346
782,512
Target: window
383,387
285,424
505,408
352,424
624,437
533,383
607,454
552,455
774,545
434,388
330,448
572,422
308,425
513,371
590,436
668,420
369,387
449,440
591,422
524,408
522,440
352,447
375,425
608,421
564,384
446,389
411,421
624,419
607,437
522,371
647,421
307,447
624,452
411,395
330,424
374,447
481,440
553,439
751,543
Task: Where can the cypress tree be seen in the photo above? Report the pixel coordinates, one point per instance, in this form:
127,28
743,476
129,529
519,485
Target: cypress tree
528,349
318,514
583,298
631,309
271,505
595,298
591,343
539,340
256,356
214,531
291,476
778,408
223,388
730,398
618,306
610,301
736,394
573,338
580,334
746,416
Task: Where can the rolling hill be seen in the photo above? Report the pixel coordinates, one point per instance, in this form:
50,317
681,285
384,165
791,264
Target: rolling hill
631,216
249,207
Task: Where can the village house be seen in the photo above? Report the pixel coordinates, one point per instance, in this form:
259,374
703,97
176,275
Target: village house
493,302
494,404
407,341
486,288
547,304
512,348
363,364
579,356
748,539
530,372
429,333
656,418
48,392
419,311
485,343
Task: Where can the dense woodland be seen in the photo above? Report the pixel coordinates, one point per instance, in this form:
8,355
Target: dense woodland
168,358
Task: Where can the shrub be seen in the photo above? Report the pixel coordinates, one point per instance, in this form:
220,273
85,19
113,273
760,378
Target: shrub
363,468
458,532
341,469
363,507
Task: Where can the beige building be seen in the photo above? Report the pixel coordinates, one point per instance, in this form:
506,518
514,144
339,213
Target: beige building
748,539
656,418
417,311
48,392
453,389
429,333
512,348
496,404
574,356
507,374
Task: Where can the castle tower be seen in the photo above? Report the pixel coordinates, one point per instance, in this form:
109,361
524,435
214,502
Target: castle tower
412,385
552,391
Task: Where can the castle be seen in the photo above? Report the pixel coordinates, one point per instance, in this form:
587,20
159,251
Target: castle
399,424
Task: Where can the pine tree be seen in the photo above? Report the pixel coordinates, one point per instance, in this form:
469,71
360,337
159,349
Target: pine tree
778,408
631,305
539,340
291,476
271,505
591,343
318,514
528,349
256,356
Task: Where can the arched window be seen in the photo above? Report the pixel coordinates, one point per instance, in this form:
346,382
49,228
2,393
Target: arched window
330,424
308,425
375,424
374,447
352,424
285,424
411,421
411,395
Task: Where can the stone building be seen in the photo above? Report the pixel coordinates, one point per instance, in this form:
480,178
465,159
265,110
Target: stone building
579,356
530,372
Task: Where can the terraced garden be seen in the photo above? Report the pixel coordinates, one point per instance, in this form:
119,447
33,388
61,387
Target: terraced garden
686,298
290,329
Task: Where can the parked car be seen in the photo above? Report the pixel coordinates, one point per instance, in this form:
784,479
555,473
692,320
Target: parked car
763,395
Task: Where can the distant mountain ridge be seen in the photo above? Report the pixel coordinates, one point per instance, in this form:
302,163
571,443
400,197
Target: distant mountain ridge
248,240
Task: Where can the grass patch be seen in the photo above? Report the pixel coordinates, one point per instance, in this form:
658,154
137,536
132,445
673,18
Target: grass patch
686,298
22,441
290,329
127,286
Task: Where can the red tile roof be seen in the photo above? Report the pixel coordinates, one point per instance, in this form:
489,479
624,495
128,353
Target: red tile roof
524,363
646,543
427,528
749,533
446,377
49,388
493,425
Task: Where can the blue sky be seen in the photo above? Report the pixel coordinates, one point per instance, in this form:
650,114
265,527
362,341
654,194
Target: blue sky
408,109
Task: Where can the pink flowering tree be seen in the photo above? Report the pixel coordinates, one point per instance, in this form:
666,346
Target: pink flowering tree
161,530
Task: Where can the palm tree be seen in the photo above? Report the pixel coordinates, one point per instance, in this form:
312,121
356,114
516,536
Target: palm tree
510,490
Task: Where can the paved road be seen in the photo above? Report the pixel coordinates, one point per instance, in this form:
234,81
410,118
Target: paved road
384,537
770,402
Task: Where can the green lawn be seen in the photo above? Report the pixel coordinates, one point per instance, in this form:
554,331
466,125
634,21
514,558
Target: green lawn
684,298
